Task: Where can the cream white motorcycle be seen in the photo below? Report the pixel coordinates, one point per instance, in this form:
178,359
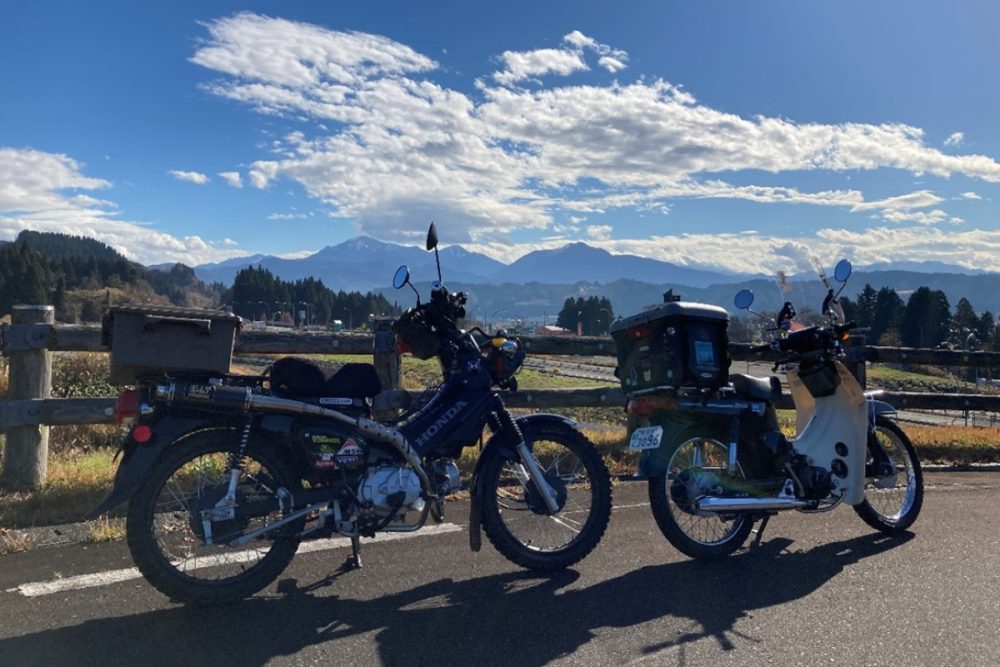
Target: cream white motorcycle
717,462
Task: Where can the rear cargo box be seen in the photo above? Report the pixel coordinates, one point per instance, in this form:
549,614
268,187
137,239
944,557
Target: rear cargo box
677,344
152,340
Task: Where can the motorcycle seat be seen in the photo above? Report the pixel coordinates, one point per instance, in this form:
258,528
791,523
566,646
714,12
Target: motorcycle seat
756,389
298,377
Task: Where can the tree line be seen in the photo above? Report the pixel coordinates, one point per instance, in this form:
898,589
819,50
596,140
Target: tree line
257,294
924,319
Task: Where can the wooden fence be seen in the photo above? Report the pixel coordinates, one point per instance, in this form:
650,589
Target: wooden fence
30,339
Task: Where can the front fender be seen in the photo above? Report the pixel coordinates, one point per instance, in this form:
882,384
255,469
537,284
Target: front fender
138,458
528,424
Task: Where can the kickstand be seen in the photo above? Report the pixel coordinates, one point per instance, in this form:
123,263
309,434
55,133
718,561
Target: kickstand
353,561
759,531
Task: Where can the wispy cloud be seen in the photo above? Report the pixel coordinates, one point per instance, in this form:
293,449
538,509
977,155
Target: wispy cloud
41,191
232,178
955,139
190,176
970,195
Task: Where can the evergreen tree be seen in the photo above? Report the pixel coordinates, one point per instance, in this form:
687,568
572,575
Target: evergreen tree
866,306
888,312
926,319
964,323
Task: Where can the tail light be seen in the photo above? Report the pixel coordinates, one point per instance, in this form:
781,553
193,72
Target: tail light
127,406
645,406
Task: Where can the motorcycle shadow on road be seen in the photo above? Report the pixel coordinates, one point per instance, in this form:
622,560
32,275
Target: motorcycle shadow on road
517,616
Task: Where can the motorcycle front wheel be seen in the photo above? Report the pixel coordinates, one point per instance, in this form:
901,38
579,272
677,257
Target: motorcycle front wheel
515,517
166,525
697,467
892,502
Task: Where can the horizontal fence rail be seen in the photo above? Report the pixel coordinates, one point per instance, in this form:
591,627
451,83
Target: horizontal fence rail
87,338
71,338
27,338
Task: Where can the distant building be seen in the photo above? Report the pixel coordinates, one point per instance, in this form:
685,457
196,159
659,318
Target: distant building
552,330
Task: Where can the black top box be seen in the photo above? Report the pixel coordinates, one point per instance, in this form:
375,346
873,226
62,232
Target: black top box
156,340
677,344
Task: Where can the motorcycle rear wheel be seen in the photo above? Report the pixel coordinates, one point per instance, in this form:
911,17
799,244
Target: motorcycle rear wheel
514,516
165,532
893,509
696,463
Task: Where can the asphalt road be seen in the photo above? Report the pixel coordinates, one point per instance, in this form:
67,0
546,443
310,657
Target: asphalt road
820,590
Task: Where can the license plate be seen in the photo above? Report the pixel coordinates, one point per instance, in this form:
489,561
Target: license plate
647,437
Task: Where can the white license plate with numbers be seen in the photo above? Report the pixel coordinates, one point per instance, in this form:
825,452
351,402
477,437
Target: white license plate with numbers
647,437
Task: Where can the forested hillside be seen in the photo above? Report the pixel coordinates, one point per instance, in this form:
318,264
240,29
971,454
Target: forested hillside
80,276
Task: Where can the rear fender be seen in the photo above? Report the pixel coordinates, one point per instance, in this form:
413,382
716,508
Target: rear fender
653,462
138,458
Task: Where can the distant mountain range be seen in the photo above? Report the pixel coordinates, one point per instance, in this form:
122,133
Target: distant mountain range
364,263
537,284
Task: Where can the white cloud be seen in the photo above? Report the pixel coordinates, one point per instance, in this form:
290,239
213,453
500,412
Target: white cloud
400,146
39,191
752,252
955,139
613,65
527,64
969,195
190,176
232,178
599,232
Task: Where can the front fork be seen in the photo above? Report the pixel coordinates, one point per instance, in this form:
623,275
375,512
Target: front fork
537,477
528,471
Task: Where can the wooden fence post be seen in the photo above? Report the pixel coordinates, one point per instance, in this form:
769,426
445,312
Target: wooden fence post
30,373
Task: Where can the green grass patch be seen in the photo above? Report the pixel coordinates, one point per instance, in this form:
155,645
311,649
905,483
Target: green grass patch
896,379
76,484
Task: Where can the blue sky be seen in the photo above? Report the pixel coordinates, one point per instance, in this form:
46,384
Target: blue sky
744,136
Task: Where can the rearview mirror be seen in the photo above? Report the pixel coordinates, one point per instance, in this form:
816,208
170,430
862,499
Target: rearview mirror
743,300
842,271
432,238
402,277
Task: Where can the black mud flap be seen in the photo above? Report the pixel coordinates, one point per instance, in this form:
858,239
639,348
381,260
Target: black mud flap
475,521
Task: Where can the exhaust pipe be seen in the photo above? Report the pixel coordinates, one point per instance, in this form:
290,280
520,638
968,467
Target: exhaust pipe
245,399
712,504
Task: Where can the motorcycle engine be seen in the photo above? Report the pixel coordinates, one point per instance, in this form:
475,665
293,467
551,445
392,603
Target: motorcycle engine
390,489
816,482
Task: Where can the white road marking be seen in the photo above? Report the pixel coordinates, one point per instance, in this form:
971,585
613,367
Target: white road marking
38,588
